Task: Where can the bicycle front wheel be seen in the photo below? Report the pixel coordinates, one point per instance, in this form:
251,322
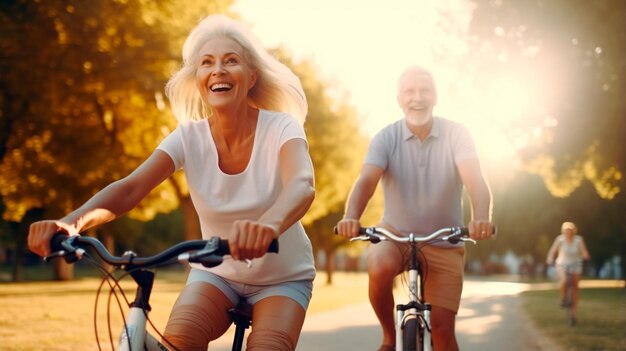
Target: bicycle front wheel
411,336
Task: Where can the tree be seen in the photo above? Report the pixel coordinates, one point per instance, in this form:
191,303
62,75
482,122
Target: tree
570,133
81,100
337,147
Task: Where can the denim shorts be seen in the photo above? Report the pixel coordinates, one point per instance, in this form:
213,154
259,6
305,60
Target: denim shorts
299,291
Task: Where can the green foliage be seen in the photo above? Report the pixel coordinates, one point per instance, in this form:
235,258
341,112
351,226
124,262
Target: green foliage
81,101
81,105
337,147
81,97
570,52
90,102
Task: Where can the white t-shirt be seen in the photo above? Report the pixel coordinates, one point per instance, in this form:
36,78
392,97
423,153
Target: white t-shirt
221,198
568,253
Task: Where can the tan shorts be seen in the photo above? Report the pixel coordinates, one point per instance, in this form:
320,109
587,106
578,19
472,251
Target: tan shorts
442,268
443,272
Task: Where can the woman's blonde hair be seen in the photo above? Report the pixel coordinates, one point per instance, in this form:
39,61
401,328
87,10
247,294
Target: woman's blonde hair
277,88
569,225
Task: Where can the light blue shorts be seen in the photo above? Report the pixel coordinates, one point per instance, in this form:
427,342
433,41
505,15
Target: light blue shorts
299,291
563,268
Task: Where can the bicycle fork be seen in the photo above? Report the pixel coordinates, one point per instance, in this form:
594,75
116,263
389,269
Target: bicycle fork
414,310
421,315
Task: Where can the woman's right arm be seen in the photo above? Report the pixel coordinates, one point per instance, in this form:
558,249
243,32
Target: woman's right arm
109,203
553,250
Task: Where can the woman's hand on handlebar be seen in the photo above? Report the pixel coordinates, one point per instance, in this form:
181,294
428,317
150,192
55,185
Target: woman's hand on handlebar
480,229
348,228
40,233
249,239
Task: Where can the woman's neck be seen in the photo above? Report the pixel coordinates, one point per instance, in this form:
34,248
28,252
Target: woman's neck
234,125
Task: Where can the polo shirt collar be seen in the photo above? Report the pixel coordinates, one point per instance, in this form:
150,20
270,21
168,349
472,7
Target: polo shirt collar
434,131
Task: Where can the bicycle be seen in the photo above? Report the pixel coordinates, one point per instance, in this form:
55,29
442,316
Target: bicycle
413,328
568,301
134,335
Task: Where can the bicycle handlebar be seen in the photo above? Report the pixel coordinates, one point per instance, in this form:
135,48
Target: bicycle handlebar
207,252
450,234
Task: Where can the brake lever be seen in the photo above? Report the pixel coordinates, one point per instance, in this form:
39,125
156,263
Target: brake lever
469,239
374,239
69,253
54,255
360,238
456,237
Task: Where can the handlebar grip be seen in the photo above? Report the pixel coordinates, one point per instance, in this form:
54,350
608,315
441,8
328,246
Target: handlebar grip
224,249
215,257
56,242
273,246
362,230
465,231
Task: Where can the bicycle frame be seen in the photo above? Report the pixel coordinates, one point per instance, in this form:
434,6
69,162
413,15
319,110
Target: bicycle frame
416,308
134,333
413,318
134,336
569,294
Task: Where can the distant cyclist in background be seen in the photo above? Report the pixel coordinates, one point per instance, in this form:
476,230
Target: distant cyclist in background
568,250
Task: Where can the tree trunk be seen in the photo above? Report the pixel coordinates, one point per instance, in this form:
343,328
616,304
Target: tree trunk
108,240
330,265
191,219
623,264
21,235
18,256
63,271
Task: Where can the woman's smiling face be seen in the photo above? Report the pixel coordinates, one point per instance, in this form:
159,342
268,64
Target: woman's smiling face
223,75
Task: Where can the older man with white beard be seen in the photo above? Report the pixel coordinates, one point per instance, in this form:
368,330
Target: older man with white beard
424,163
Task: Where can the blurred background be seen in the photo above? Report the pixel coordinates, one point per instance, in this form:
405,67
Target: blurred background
540,84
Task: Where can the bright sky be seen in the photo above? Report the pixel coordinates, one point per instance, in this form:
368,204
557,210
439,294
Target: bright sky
361,47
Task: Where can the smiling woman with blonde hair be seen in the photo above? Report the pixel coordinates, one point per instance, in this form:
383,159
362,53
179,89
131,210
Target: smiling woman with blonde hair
241,143
277,88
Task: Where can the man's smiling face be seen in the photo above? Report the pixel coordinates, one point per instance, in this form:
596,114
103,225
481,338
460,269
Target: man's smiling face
417,96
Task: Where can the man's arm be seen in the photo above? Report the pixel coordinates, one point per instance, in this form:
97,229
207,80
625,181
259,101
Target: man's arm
480,226
358,199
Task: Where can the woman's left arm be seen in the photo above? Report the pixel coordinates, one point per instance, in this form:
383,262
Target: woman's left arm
583,249
250,239
298,192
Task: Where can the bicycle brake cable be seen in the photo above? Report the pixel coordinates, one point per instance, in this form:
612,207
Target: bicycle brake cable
113,283
106,277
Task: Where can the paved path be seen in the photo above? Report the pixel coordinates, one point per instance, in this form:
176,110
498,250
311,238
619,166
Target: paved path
489,319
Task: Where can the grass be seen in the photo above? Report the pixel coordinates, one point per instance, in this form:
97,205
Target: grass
58,316
601,320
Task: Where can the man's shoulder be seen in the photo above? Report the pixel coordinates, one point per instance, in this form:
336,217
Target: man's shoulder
392,129
448,124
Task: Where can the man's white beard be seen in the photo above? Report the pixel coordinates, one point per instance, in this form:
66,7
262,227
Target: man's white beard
419,121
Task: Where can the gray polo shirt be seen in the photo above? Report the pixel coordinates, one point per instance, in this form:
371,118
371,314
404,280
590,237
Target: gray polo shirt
421,185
